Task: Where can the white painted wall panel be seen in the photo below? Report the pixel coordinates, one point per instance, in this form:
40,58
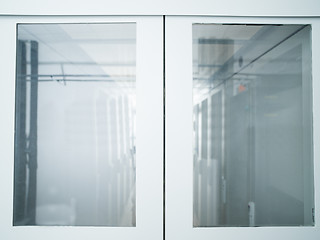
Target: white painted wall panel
164,7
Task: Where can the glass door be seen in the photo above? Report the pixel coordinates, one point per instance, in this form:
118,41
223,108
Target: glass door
87,155
240,122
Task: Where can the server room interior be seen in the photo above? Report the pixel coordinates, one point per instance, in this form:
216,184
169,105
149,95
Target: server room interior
252,126
75,125
252,122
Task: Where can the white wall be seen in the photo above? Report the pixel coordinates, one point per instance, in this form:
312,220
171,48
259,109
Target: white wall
162,7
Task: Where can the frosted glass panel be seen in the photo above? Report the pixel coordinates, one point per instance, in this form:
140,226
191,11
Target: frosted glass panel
75,125
252,114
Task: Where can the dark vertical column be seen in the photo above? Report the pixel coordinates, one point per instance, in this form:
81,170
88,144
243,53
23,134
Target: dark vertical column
20,158
32,189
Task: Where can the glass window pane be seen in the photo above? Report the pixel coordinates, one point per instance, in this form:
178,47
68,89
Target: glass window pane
252,113
75,125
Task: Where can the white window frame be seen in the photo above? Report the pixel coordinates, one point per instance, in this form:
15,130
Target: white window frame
178,211
178,135
149,142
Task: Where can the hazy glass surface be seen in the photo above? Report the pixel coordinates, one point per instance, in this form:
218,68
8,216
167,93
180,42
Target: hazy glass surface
75,125
252,145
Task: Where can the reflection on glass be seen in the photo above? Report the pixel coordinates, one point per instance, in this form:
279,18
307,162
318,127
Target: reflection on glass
253,162
75,125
